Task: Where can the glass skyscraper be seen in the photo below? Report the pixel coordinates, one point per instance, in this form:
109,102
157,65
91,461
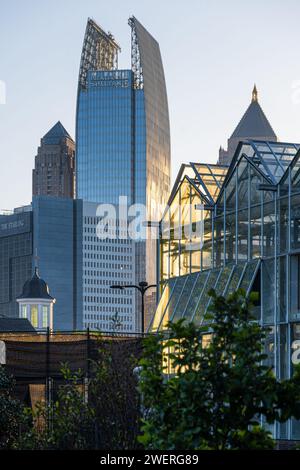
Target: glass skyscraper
122,129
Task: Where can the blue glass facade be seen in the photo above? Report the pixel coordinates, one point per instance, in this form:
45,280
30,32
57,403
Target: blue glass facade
122,130
111,139
57,229
105,137
16,245
48,233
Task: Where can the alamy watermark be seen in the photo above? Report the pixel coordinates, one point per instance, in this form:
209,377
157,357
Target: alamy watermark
2,92
124,221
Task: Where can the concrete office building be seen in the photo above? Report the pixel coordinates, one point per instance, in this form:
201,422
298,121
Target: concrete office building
107,262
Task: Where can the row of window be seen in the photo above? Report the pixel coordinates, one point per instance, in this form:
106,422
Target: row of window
108,300
105,308
38,315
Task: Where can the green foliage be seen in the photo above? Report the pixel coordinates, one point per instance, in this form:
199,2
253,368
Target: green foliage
217,390
114,397
11,414
109,419
67,424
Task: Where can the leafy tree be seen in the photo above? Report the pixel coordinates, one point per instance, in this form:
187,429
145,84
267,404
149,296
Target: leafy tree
219,385
11,415
108,417
114,396
67,424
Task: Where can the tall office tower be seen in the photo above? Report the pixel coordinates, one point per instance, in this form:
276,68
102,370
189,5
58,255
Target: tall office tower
123,134
106,262
48,232
54,172
253,125
16,252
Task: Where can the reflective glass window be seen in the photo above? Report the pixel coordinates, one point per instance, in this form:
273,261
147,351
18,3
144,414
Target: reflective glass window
195,295
204,298
185,295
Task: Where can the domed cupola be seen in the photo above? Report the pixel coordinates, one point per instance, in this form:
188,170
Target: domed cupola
35,303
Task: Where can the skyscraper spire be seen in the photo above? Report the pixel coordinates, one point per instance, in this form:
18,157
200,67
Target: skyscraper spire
254,125
254,94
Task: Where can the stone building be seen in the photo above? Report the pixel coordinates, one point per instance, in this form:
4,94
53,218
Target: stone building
54,172
254,125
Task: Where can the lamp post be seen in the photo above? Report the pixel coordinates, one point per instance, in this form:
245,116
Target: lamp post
142,287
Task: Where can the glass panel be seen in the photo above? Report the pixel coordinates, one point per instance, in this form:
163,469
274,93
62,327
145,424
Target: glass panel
230,221
24,311
295,221
295,176
164,260
243,196
185,205
174,258
230,193
255,231
255,181
242,233
219,241
281,286
248,276
295,429
294,287
185,257
34,315
204,299
220,204
284,185
283,352
223,279
165,297
195,295
256,287
277,157
235,279
295,345
195,260
173,301
269,347
295,355
45,322
185,295
269,228
268,271
207,242
212,176
283,223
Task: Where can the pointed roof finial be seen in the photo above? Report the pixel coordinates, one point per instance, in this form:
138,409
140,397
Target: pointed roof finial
254,94
36,262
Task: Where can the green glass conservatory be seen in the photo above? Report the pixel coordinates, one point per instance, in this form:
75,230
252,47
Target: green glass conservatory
238,226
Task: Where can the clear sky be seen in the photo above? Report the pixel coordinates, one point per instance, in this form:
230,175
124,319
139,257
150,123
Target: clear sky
213,52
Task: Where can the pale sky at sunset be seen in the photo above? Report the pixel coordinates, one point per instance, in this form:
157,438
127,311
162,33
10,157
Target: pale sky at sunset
213,52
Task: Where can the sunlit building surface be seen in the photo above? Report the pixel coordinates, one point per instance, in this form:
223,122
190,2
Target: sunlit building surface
122,130
250,240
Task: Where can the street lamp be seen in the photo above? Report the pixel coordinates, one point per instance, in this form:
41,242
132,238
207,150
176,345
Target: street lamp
142,287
